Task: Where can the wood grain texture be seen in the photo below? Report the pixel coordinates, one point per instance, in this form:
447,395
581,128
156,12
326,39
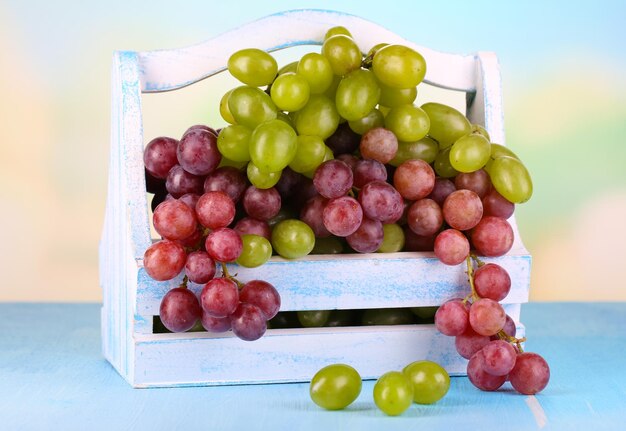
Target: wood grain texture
131,298
53,376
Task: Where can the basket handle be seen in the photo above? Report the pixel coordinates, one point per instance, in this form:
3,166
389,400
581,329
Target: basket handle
166,70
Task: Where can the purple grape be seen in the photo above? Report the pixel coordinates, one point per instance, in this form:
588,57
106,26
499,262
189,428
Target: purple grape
498,358
179,310
164,260
174,220
414,179
462,209
219,297
342,216
496,205
201,127
289,183
343,140
530,374
197,152
333,179
470,342
368,237
424,217
442,189
380,201
492,281
312,213
477,181
248,322
452,317
215,210
215,324
509,328
224,245
199,268
180,182
252,226
159,156
190,199
228,180
479,377
451,247
379,144
262,204
263,295
368,170
492,236
349,159
487,316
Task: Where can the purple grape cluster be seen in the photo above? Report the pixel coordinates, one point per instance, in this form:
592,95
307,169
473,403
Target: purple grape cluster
485,334
193,209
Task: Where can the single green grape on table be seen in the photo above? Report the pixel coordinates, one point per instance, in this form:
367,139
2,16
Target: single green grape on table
430,381
335,387
393,393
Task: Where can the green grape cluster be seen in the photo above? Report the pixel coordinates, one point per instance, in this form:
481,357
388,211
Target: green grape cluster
304,102
336,386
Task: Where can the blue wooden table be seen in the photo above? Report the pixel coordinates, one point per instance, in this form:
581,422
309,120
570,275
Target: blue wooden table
53,377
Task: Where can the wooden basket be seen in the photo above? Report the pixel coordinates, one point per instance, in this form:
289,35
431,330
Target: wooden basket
357,281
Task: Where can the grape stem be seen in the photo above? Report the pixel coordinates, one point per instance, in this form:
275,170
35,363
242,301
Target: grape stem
226,274
183,284
470,278
475,297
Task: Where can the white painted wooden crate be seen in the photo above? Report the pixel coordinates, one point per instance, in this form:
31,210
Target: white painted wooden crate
359,281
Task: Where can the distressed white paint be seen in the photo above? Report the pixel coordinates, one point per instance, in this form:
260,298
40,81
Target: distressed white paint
316,282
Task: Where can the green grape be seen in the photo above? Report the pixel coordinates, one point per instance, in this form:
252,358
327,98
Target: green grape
262,180
251,106
256,251
292,238
343,54
511,179
409,123
253,67
319,117
498,150
224,111
328,155
316,69
334,31
228,162
399,66
387,316
331,91
373,119
392,97
335,386
357,94
470,153
313,318
309,155
430,381
393,393
273,146
373,50
328,245
425,313
233,143
446,123
442,165
425,149
288,68
477,128
290,92
393,239
285,118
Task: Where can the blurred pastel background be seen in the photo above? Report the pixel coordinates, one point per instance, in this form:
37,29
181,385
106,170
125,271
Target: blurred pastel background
563,66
